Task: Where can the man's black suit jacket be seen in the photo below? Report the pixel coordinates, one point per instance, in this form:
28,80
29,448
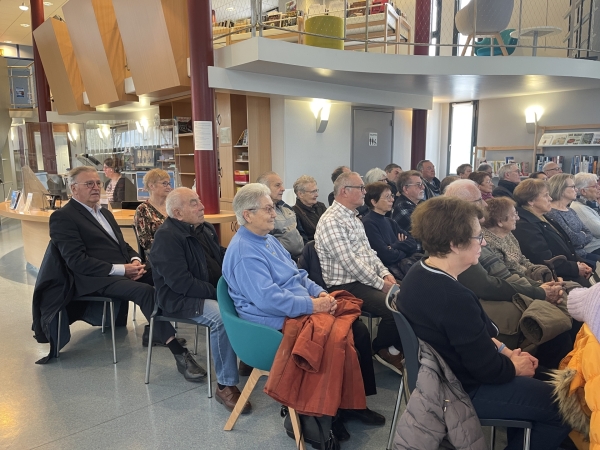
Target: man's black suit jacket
88,250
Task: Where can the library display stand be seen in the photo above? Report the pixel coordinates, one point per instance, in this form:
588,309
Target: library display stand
575,147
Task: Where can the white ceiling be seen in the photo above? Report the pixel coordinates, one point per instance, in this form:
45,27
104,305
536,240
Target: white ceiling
11,18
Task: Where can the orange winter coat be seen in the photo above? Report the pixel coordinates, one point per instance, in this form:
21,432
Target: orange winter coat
316,369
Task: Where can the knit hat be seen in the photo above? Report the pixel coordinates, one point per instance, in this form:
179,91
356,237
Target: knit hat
584,305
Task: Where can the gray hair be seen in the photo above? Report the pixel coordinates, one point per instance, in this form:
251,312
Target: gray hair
463,189
548,164
264,177
374,175
300,183
484,168
248,197
73,173
420,164
583,180
174,200
341,181
503,170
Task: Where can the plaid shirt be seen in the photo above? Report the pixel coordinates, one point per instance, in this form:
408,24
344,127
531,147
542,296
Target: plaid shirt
344,250
403,209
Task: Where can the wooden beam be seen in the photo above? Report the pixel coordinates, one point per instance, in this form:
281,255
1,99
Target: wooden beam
156,40
98,47
58,59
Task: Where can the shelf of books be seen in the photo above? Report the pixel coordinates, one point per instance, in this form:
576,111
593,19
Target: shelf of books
575,148
521,155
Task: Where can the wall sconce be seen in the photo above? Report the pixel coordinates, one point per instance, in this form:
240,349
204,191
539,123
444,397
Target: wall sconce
532,116
321,109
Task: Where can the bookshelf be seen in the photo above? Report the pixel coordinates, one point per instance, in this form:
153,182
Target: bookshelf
577,145
527,167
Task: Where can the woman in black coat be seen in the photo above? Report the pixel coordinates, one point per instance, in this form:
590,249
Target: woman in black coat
541,238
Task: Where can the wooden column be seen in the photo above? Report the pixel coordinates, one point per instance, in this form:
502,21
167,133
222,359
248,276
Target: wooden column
419,137
203,105
422,26
41,84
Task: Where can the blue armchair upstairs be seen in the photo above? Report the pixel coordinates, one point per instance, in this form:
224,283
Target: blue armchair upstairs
254,344
484,18
482,47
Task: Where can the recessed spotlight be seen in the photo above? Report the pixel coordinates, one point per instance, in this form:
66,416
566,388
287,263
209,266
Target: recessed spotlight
25,25
48,3
23,7
230,9
8,42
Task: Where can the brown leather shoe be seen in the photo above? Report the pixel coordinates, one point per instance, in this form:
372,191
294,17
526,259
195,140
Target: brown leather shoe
394,362
228,397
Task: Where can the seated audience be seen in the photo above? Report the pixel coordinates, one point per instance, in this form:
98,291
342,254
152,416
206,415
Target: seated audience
484,167
510,176
539,176
484,183
286,224
563,192
349,263
392,244
152,213
374,175
551,169
308,210
267,287
449,317
186,261
542,239
446,181
586,205
432,184
392,172
412,191
464,170
336,173
115,185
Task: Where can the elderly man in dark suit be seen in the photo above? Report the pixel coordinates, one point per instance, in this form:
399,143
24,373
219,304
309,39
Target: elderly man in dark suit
102,263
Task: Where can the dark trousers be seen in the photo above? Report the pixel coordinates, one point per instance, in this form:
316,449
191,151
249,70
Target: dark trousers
140,292
523,399
374,303
362,342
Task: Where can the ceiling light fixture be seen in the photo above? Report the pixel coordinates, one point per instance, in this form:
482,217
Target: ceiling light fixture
25,25
230,9
23,7
8,42
48,3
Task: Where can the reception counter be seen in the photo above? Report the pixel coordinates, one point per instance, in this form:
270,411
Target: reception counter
36,231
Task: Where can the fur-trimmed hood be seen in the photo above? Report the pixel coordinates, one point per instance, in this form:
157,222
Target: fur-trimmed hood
572,406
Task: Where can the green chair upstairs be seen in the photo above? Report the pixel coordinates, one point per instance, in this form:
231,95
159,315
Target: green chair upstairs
254,344
482,47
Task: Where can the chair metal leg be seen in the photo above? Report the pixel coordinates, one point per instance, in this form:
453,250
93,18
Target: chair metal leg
149,357
112,329
492,437
527,439
134,310
103,317
396,413
58,334
196,342
208,359
250,384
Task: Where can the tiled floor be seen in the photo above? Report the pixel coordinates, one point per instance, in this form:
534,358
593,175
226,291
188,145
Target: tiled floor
84,401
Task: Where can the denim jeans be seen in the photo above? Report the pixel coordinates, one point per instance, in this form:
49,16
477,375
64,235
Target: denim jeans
523,399
223,355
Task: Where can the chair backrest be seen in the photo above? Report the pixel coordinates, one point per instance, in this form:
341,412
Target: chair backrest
254,344
410,342
482,47
493,16
309,261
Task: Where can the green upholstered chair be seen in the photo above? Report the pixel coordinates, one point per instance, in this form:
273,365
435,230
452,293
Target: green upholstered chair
254,344
482,47
327,26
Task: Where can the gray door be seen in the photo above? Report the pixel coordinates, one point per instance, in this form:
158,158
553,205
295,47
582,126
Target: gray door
372,137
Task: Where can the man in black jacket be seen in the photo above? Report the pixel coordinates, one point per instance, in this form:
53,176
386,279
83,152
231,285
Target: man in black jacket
510,176
102,263
186,265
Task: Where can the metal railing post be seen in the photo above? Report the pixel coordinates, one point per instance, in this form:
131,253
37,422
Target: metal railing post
520,18
253,17
367,8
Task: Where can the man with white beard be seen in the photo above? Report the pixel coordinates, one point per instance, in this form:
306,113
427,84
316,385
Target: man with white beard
412,191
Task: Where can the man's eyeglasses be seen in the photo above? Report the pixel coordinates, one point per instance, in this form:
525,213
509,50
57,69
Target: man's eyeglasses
268,209
91,184
554,168
479,238
361,187
419,185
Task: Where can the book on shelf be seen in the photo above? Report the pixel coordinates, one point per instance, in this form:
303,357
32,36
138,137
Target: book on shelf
586,138
584,164
541,160
573,139
184,124
546,139
596,139
559,139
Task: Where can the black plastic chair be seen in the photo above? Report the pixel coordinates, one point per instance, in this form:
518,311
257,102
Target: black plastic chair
90,298
410,347
309,261
161,318
142,254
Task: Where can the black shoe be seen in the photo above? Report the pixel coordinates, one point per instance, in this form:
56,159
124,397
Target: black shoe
191,370
244,369
339,430
155,342
366,416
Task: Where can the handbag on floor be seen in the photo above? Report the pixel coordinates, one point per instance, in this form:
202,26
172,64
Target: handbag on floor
316,431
